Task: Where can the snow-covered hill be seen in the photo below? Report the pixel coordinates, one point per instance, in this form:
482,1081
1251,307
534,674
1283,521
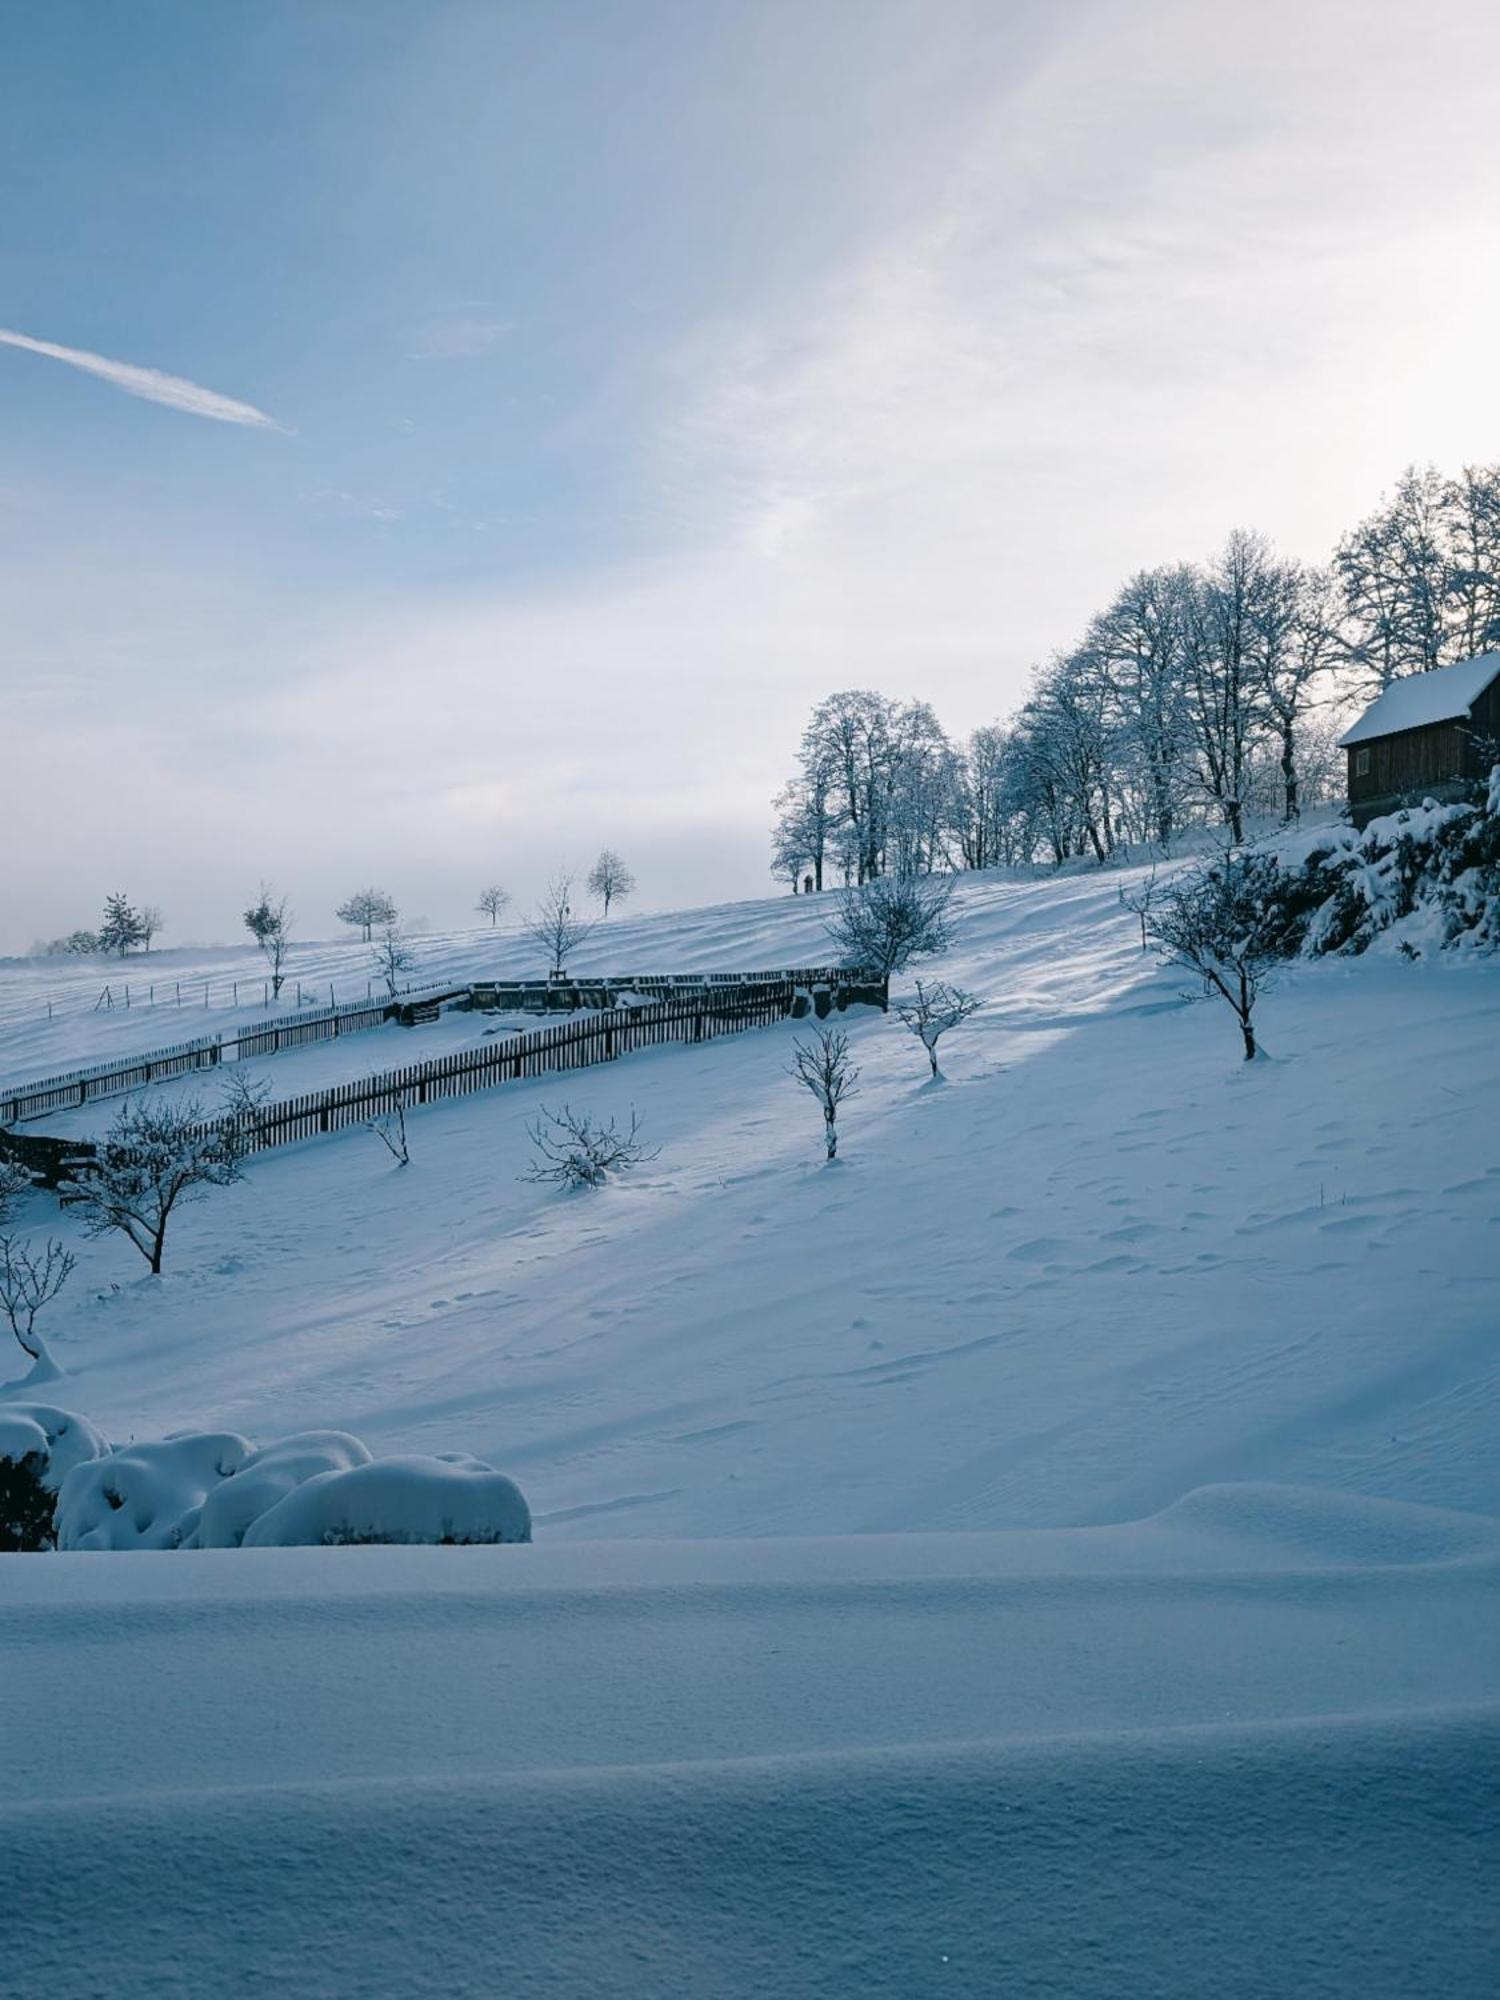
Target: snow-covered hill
1142,1404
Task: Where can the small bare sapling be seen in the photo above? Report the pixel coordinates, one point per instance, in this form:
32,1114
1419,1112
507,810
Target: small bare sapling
824,1066
29,1281
392,958
932,1010
574,1150
1213,923
390,1129
155,1156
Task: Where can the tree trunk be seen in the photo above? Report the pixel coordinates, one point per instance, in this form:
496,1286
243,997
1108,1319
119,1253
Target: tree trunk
1249,1034
831,1136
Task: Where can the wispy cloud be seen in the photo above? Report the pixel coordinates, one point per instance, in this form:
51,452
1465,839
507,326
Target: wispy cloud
458,339
151,383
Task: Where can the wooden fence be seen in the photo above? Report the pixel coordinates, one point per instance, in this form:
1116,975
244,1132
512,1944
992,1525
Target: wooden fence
699,1017
72,1088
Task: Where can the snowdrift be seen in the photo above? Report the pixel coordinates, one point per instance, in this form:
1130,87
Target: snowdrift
1245,1748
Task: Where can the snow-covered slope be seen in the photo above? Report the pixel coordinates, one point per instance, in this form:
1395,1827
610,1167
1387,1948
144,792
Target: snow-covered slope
1212,1345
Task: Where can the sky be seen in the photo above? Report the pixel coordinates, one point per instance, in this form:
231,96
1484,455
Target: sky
438,441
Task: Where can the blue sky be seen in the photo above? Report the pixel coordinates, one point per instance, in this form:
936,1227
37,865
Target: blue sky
637,373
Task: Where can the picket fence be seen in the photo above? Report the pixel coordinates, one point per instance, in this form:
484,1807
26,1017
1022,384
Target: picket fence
702,1016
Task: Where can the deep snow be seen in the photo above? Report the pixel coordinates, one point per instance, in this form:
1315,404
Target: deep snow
1213,1345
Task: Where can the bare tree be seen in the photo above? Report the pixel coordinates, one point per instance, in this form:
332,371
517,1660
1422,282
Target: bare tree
365,909
392,957
932,1011
390,1129
270,924
29,1281
150,922
1140,902
557,927
576,1151
155,1156
825,1067
1212,922
492,901
610,880
881,926
15,1181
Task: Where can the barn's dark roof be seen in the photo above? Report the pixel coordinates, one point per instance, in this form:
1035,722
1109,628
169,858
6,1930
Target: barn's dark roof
1419,699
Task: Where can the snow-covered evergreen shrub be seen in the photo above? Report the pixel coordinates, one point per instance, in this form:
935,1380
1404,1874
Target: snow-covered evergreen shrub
39,1446
231,1508
146,1496
431,1500
1427,877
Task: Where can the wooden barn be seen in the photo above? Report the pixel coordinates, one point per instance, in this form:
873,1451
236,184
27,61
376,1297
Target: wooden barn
1429,736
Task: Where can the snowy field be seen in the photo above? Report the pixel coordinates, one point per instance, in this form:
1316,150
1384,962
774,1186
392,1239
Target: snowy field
1074,1517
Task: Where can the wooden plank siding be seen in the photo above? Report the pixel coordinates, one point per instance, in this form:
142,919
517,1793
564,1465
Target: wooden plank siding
1443,761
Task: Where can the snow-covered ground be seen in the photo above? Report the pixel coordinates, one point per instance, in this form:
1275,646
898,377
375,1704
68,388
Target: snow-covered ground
1137,1407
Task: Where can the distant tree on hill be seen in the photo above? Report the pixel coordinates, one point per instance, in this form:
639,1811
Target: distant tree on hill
270,924
610,880
365,909
155,1156
884,924
824,1066
492,901
121,928
392,958
151,921
80,944
557,927
932,1011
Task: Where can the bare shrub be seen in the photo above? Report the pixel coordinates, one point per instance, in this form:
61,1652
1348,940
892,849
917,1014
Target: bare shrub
932,1011
29,1281
390,1129
881,926
1213,923
574,1150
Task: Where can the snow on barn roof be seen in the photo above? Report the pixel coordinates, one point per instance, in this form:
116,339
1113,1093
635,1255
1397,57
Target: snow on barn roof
1419,699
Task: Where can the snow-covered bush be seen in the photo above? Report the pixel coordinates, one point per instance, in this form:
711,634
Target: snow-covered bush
215,1490
230,1509
39,1447
146,1496
1428,876
455,1499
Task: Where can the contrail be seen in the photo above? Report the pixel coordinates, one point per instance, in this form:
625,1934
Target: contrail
151,383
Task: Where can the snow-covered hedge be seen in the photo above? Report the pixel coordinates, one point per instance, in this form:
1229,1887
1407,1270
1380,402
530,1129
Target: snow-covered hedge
398,1500
39,1447
215,1490
1422,879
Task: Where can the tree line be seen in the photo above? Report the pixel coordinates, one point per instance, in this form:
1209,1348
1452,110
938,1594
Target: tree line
125,928
1202,694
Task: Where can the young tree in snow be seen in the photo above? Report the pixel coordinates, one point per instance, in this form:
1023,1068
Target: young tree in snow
610,880
390,1129
934,1009
151,922
270,924
881,926
1212,922
492,901
365,909
392,958
29,1281
557,927
155,1156
825,1067
575,1150
121,928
